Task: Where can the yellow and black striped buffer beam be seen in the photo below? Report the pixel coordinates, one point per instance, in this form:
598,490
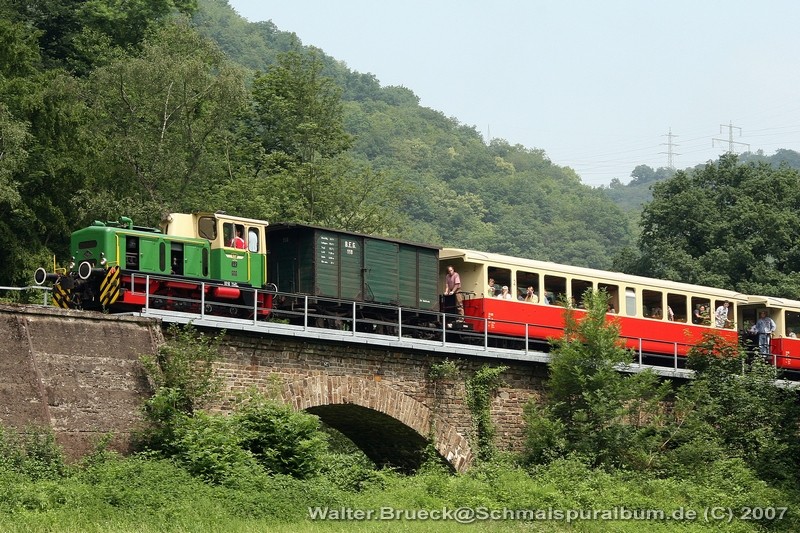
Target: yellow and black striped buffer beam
109,288
62,297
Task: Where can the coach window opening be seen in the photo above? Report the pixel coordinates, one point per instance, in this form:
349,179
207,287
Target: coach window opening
792,323
653,304
556,289
525,280
630,301
730,322
676,303
501,276
578,288
613,294
701,311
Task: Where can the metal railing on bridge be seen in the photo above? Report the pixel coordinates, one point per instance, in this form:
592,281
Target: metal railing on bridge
45,291
378,324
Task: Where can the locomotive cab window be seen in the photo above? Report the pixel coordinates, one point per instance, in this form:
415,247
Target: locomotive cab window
207,228
253,240
234,235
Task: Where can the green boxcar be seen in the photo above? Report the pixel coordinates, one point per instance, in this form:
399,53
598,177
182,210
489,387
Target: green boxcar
350,266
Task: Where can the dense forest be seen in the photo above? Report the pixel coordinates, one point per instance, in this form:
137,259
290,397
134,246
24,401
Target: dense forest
144,107
160,106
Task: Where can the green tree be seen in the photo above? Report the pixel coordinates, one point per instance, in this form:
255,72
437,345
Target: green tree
738,408
41,117
591,408
183,380
160,122
299,111
303,163
726,225
282,441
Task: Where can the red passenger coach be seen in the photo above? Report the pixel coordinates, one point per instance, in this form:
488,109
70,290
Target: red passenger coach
656,317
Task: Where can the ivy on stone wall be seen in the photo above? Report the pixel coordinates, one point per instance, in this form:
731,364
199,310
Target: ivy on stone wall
480,388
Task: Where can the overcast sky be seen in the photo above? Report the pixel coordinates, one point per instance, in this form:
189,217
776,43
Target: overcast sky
596,84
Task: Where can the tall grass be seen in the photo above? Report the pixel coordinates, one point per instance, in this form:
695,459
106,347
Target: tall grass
145,494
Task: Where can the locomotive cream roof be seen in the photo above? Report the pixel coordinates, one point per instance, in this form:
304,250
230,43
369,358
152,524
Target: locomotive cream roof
185,223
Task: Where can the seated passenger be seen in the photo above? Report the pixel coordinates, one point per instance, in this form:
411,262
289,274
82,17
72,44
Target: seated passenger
791,334
504,294
531,297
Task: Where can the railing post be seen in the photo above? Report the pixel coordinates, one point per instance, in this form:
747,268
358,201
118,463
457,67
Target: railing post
486,334
305,313
640,351
255,307
147,294
675,361
399,323
527,331
354,320
444,329
202,300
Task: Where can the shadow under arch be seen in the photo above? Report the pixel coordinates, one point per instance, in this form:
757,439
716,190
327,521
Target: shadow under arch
390,427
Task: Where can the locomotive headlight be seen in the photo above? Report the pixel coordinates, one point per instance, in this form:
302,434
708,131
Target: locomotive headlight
103,259
71,263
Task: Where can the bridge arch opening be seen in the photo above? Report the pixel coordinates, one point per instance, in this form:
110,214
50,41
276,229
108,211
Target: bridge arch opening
383,439
390,427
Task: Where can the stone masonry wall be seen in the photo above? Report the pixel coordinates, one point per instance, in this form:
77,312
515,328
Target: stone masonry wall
270,363
75,372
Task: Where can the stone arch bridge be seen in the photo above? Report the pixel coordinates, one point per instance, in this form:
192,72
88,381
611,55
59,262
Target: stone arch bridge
79,374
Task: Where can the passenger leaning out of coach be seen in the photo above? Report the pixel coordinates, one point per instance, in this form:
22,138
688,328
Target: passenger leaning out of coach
700,315
491,288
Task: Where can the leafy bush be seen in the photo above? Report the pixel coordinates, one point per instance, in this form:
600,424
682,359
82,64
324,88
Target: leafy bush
211,447
182,375
32,452
282,441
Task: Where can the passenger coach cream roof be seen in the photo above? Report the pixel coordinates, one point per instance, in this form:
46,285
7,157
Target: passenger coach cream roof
772,301
472,256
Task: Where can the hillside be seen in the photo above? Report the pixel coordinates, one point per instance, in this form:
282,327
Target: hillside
457,190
